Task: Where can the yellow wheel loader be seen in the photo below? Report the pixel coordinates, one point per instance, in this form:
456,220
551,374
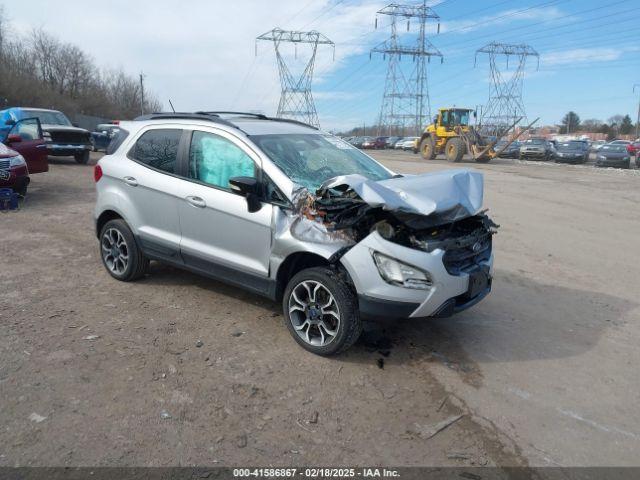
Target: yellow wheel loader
452,135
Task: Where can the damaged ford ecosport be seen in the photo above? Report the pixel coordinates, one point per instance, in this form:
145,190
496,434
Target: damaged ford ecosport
281,208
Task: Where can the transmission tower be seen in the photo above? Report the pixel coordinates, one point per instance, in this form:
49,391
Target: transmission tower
296,101
505,104
405,103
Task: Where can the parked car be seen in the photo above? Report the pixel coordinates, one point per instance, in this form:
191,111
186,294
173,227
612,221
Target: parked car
357,141
537,148
62,138
634,148
512,150
102,135
613,155
368,142
380,143
619,142
410,143
399,144
26,137
596,144
391,142
573,151
14,173
290,212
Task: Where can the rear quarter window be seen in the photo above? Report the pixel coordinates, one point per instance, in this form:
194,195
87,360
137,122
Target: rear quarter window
158,149
120,136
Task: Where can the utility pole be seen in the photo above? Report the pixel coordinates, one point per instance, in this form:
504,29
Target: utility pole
505,103
405,102
141,93
296,101
638,118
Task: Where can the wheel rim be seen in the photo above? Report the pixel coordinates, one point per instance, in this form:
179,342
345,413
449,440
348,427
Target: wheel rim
115,251
314,313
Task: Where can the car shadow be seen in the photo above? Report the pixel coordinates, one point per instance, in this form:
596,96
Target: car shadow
521,320
70,161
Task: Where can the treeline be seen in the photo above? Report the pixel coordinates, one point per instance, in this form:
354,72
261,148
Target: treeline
614,126
41,71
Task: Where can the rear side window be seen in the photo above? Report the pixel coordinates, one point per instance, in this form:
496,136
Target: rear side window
158,149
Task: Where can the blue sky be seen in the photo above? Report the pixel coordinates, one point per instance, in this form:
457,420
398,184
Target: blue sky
202,54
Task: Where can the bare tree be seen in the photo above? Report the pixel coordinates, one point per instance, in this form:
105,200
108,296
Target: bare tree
42,71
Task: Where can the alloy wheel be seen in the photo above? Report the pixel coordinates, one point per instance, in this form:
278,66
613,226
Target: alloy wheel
314,313
115,251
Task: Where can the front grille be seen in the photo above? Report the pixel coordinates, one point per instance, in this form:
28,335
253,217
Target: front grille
465,258
5,164
69,137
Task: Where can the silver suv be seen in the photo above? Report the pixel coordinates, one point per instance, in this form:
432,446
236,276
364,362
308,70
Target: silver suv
287,211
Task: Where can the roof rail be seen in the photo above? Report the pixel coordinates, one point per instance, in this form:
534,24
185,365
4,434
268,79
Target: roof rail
261,116
215,117
291,120
211,117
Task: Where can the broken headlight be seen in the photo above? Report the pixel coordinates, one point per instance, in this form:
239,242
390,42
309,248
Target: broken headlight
401,274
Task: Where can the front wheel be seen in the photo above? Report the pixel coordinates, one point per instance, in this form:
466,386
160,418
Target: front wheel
321,311
82,158
428,148
454,150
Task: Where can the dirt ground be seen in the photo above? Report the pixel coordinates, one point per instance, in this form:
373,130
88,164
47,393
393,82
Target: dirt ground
543,372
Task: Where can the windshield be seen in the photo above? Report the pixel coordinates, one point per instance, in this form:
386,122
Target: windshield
613,148
460,117
311,159
48,117
571,146
534,141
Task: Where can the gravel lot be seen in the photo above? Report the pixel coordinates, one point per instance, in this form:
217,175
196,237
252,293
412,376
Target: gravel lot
544,371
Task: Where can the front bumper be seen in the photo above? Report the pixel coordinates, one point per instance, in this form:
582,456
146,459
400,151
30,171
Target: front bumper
570,159
18,178
533,154
449,293
613,163
66,150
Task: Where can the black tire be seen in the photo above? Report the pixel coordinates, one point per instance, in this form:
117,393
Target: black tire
428,148
349,327
82,158
454,150
137,263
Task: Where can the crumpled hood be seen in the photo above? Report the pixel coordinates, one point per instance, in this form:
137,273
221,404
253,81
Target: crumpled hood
453,193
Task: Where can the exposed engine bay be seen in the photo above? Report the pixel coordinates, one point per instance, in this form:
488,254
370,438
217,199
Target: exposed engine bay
402,210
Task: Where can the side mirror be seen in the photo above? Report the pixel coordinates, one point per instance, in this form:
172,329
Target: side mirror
10,122
13,138
247,187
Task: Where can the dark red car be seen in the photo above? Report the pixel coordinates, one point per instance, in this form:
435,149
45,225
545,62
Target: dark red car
633,148
23,151
13,170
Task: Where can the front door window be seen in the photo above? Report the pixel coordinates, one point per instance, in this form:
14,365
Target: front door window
214,160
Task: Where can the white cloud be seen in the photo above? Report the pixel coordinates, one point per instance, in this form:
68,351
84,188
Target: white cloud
500,18
198,53
581,55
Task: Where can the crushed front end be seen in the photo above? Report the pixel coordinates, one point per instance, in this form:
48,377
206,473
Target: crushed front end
415,246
